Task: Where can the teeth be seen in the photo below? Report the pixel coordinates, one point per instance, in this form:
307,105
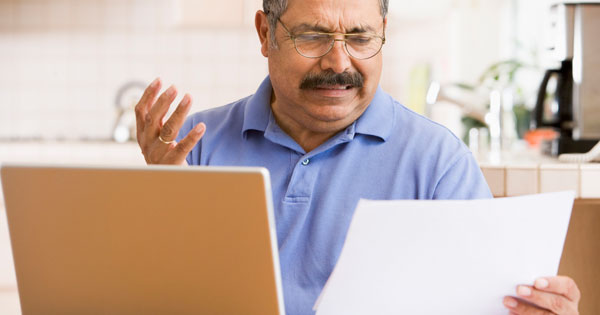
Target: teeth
337,87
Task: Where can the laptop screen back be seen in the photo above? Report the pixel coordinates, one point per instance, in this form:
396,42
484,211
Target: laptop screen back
162,240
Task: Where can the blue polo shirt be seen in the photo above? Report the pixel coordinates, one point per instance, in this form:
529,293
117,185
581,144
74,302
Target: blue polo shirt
389,152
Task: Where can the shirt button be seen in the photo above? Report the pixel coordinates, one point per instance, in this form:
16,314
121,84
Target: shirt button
305,162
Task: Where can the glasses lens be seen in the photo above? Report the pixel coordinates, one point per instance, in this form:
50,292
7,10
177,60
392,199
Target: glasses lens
363,46
313,45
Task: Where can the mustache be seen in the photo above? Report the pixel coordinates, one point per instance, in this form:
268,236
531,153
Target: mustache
314,80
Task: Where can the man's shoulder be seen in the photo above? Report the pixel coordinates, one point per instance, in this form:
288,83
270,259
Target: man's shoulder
412,119
412,125
225,117
220,121
438,152
221,114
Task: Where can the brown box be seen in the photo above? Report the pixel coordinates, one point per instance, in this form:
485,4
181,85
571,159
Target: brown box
581,255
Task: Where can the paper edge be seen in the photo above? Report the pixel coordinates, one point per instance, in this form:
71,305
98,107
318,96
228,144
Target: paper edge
315,307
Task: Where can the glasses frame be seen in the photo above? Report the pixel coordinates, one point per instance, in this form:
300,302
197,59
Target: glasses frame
293,37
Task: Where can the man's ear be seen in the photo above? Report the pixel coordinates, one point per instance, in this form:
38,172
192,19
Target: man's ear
262,28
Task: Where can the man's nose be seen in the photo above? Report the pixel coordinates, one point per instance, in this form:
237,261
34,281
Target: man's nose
337,59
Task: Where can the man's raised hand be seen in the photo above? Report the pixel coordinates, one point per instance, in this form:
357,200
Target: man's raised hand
156,136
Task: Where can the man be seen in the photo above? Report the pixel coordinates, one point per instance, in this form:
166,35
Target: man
329,136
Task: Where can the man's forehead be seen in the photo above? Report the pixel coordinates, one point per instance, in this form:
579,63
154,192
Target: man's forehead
337,4
350,16
330,15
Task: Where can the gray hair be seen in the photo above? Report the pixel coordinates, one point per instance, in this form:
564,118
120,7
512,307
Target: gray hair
275,9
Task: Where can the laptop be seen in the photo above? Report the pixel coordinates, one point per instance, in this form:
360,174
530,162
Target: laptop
143,240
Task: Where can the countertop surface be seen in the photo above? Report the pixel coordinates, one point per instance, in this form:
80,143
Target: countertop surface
528,172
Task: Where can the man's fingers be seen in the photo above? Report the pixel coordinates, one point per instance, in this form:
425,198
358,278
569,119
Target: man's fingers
150,94
557,303
172,126
550,295
157,141
154,118
521,308
559,285
186,145
145,103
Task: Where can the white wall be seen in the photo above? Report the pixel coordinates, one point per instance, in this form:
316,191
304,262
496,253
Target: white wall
58,78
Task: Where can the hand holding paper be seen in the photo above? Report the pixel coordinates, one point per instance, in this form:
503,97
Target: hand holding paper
558,295
445,257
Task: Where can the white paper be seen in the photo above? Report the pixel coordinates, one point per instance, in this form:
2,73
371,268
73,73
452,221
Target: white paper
445,257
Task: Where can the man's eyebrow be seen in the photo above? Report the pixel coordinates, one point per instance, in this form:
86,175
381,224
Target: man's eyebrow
362,29
305,27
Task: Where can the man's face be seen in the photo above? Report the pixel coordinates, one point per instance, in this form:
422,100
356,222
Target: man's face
323,108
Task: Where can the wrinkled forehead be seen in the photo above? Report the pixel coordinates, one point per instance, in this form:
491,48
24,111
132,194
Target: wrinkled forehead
347,16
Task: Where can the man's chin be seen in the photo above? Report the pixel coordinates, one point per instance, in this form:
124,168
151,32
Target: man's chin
333,117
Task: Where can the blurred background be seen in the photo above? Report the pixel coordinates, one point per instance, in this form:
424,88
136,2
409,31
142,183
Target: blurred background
71,69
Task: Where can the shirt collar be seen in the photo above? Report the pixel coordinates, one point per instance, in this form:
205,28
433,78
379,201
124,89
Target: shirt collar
258,108
377,120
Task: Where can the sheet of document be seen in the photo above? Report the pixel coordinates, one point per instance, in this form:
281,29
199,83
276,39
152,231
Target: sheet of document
445,257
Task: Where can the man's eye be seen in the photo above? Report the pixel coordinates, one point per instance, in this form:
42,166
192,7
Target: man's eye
313,37
360,40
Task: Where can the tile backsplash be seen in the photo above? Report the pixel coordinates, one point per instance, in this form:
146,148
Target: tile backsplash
61,82
64,85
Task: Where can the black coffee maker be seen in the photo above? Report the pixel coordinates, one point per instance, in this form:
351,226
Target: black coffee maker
573,108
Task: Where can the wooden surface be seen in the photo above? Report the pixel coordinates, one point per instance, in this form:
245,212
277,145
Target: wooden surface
581,254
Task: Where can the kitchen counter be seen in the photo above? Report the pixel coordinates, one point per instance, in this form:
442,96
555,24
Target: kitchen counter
516,179
80,152
527,172
510,174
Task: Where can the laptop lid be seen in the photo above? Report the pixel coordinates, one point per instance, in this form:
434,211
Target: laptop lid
162,240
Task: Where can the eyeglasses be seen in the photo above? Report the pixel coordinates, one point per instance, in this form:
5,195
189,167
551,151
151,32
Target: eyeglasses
316,44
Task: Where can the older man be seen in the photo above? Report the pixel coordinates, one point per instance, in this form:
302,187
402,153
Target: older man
328,135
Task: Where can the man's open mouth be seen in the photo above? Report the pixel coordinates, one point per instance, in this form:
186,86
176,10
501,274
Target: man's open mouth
334,87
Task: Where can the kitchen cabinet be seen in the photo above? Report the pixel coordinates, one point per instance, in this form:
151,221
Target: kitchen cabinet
581,254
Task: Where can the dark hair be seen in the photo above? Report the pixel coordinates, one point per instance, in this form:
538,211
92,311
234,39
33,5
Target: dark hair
275,9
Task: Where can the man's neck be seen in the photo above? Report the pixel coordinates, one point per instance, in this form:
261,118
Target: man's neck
307,139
